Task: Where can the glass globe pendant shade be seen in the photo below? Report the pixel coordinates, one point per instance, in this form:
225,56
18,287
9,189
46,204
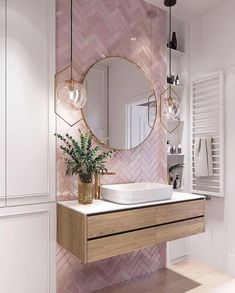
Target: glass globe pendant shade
171,109
72,93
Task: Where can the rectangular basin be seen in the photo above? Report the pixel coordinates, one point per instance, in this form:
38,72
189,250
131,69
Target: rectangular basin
134,193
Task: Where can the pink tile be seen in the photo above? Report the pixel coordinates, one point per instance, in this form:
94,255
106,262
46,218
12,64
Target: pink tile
105,27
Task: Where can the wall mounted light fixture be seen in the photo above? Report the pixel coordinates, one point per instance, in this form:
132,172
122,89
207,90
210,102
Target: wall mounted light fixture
70,93
169,100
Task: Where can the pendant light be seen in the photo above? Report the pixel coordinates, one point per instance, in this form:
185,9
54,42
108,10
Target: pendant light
71,92
170,102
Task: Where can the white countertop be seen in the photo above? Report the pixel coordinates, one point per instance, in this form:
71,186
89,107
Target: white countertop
101,206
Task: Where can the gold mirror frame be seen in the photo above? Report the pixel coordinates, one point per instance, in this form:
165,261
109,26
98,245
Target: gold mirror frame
153,94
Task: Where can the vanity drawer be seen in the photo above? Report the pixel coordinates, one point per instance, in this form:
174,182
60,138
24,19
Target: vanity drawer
119,244
179,211
111,223
178,230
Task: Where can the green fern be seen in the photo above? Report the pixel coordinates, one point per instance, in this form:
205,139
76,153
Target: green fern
81,158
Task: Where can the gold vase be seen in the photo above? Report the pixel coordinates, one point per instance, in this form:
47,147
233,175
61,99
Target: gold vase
85,194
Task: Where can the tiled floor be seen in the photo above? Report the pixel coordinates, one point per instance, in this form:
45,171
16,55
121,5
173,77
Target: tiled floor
189,276
212,280
163,281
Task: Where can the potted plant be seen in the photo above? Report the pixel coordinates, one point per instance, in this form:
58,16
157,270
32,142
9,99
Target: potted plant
84,160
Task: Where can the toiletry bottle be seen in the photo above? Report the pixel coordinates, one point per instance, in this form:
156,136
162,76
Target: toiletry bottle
174,41
171,79
177,81
171,181
177,182
174,149
168,147
179,149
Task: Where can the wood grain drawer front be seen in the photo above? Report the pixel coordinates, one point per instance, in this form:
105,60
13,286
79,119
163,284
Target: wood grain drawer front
119,244
107,224
179,211
178,230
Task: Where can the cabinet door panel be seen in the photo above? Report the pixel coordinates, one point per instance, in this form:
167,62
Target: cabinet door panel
2,103
30,59
107,224
28,249
169,232
119,244
179,211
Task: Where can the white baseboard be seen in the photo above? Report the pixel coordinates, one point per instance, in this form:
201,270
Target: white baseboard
179,260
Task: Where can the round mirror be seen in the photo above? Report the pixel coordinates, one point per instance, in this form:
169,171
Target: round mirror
121,104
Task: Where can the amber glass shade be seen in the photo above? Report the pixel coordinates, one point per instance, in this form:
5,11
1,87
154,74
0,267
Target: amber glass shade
72,93
170,109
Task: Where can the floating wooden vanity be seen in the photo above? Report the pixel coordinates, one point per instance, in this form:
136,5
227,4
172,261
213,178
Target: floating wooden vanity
104,229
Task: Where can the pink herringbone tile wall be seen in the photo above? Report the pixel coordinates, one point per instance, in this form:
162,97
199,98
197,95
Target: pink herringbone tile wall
104,28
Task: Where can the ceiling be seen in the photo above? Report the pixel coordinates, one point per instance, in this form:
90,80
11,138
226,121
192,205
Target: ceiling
189,9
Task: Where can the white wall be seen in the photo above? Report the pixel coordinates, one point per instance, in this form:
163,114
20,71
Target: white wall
2,103
212,48
230,158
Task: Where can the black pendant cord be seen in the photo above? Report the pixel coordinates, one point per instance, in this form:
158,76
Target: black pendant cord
170,48
170,41
71,39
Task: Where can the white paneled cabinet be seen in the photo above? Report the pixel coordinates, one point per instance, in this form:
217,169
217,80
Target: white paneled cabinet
27,249
2,103
27,146
30,55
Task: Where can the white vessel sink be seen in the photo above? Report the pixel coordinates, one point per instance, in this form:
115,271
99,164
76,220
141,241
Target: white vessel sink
134,193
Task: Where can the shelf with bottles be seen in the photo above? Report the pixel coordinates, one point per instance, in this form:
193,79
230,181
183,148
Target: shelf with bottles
174,139
175,155
175,81
173,59
181,189
176,181
176,86
175,53
173,46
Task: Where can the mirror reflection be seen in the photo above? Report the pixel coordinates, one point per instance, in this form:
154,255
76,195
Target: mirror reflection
121,104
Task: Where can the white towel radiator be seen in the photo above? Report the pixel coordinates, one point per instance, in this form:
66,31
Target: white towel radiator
207,120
